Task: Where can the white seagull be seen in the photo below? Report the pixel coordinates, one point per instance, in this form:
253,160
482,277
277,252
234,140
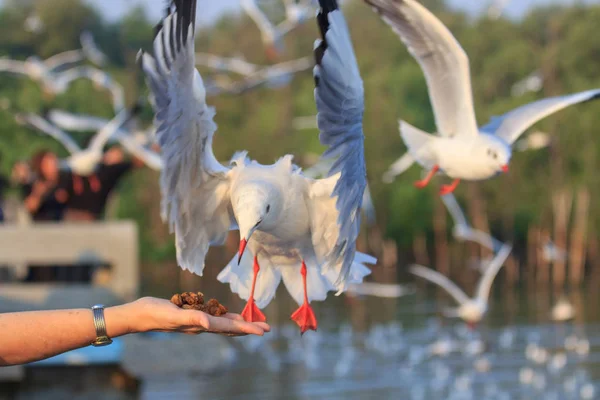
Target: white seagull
297,229
91,51
463,231
563,310
470,310
460,149
42,71
82,162
296,12
137,143
272,76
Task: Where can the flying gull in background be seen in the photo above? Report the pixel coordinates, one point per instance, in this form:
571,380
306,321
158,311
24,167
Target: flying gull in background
91,51
296,12
463,231
470,310
82,162
460,149
292,228
139,143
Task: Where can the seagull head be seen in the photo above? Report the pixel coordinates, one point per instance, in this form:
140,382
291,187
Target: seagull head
255,206
494,154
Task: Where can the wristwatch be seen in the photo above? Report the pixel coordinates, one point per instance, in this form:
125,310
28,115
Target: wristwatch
102,338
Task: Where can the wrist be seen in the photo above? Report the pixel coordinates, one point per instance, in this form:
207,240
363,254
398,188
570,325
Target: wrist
119,321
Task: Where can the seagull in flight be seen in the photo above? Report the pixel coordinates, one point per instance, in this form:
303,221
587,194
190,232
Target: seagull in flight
292,228
463,231
460,150
296,12
470,310
81,162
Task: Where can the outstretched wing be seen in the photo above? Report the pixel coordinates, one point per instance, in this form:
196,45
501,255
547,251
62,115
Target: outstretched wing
455,211
440,280
485,283
442,59
111,128
75,122
512,124
195,186
91,51
340,104
42,125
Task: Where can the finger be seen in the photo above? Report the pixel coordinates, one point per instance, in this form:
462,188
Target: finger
233,326
237,317
264,326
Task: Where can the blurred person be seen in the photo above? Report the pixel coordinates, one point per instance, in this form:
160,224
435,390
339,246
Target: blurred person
45,190
35,335
3,186
89,205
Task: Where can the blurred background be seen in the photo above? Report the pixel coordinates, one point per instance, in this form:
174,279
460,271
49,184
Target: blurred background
366,346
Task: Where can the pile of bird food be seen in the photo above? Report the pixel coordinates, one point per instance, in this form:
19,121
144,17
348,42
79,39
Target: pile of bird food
195,301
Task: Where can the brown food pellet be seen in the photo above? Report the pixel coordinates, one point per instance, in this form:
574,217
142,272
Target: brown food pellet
176,299
195,301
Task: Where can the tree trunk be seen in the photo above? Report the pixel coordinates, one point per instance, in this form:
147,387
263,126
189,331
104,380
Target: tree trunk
578,238
561,202
441,239
420,249
532,233
543,265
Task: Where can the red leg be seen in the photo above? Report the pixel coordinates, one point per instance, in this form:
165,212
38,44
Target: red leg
94,183
447,189
304,316
423,182
251,312
77,184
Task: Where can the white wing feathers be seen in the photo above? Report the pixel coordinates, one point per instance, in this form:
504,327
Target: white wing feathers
485,283
512,124
442,281
442,59
339,97
195,187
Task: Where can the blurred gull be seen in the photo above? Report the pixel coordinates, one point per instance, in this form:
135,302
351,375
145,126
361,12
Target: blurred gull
533,82
463,231
82,162
534,141
460,150
296,12
286,219
137,143
383,290
496,8
563,310
552,253
272,76
471,310
91,51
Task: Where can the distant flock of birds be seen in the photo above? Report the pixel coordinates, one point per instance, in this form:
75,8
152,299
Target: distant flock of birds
299,227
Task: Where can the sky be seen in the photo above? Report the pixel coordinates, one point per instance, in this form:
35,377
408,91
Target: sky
212,9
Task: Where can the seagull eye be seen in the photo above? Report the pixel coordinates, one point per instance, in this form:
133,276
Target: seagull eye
268,207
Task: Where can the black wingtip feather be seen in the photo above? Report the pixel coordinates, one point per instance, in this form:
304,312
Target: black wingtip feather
595,96
327,6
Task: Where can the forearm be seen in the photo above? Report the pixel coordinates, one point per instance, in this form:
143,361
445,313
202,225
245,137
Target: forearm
35,335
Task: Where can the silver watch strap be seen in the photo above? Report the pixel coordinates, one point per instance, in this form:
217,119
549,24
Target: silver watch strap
102,338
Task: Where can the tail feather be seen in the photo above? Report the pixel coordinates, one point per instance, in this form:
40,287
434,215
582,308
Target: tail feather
240,277
319,283
418,143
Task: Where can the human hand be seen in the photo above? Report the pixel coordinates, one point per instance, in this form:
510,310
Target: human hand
153,314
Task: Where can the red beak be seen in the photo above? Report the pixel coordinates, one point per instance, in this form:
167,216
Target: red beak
505,168
243,244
